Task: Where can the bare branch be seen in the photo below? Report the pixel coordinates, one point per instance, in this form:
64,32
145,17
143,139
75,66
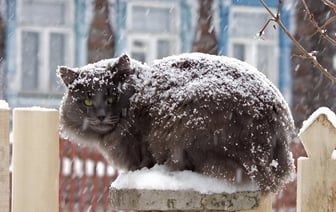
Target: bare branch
329,21
268,9
321,30
261,32
305,54
330,4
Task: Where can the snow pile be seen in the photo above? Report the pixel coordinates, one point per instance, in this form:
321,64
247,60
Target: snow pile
321,111
159,178
4,104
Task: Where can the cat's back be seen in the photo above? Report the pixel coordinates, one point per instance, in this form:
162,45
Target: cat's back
201,78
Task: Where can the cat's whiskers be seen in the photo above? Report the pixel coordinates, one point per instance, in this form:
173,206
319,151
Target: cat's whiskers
112,120
93,121
102,125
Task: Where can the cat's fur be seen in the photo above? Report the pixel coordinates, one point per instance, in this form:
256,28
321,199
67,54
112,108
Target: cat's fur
209,114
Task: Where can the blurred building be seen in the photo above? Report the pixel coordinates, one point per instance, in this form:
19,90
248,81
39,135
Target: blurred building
40,35
2,47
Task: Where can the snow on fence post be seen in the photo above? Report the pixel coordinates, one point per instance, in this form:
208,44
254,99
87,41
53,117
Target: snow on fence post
4,156
35,181
316,189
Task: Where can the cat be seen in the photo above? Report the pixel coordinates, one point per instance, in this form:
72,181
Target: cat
214,115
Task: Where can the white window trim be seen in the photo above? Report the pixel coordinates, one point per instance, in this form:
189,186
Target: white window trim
69,7
164,5
152,38
45,32
252,42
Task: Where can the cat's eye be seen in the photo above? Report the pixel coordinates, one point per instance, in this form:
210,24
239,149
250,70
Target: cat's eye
88,102
111,99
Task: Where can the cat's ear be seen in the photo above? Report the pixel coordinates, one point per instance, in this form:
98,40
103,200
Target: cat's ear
67,75
122,69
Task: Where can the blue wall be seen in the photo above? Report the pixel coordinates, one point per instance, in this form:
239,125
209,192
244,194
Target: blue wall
285,45
81,32
270,3
10,47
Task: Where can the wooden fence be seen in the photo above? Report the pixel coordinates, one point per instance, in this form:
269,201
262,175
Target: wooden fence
43,182
4,158
316,173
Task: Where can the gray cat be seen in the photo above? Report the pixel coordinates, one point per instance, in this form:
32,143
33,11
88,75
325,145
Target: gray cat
210,114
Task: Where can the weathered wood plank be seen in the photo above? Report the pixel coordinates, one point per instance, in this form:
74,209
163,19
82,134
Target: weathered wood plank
4,159
35,183
185,200
316,189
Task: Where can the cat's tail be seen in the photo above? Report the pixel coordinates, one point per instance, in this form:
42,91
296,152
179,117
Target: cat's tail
280,168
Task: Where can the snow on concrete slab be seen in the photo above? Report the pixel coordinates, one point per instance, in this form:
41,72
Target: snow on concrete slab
160,178
321,111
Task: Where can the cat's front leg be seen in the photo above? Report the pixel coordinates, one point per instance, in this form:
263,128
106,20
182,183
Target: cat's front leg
179,160
125,151
147,159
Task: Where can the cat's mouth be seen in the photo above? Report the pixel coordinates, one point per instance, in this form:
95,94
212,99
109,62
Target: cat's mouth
103,128
100,126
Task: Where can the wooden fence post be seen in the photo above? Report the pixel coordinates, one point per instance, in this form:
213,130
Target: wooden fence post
4,158
316,189
35,181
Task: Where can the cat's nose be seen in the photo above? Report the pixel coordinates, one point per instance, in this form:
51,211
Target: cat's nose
101,118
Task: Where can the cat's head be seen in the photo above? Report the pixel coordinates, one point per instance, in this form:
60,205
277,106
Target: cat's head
97,95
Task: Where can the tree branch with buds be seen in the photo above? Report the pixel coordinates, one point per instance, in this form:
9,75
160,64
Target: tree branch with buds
310,56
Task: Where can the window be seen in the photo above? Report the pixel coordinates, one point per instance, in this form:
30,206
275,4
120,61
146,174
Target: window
244,44
152,30
45,41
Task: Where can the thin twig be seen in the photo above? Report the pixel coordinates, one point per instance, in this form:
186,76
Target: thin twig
304,52
329,21
319,29
330,4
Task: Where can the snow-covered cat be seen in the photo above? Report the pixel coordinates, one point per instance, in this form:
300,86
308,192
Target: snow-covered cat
210,114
